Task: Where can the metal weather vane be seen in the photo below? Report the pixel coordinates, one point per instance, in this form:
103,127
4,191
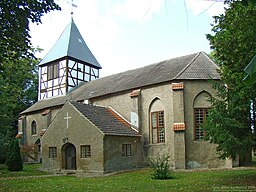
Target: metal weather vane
72,5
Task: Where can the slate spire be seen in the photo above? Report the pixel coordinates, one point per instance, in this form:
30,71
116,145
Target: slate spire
71,45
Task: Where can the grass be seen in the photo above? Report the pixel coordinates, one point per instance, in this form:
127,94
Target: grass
140,180
28,170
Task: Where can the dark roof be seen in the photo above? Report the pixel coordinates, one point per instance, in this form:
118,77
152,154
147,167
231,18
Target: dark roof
72,45
196,66
190,67
105,119
44,104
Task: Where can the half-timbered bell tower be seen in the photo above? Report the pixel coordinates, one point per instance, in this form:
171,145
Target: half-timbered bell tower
67,64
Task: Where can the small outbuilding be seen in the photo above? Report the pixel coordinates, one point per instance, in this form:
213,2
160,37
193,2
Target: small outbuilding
91,139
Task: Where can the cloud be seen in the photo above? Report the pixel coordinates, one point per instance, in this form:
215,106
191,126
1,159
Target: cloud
141,11
210,7
99,26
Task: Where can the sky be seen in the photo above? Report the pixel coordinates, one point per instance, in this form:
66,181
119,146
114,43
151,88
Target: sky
128,34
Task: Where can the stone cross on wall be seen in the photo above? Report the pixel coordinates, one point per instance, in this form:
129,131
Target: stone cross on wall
66,118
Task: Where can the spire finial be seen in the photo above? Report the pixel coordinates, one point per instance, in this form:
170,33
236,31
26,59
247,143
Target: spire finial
72,5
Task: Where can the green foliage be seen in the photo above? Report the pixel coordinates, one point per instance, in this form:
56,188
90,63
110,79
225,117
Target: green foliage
14,159
161,167
18,75
233,43
14,26
4,143
18,85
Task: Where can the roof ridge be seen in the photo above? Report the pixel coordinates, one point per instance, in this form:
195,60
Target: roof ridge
69,38
185,68
146,66
209,59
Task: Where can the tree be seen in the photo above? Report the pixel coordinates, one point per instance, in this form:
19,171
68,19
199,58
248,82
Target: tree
14,159
4,145
233,42
18,83
14,26
18,91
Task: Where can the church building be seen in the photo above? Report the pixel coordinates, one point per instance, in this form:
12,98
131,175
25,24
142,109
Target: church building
99,125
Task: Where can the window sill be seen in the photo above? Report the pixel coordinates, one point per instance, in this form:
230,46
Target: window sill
154,144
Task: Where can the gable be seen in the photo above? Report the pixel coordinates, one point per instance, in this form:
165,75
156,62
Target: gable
70,126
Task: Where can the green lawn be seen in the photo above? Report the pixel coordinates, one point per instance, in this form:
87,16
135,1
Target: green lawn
217,180
29,170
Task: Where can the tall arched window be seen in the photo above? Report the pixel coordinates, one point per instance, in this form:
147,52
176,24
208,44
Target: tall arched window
33,128
201,109
157,123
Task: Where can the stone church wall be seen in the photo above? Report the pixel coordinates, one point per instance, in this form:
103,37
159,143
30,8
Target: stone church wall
181,146
79,132
178,106
114,160
29,146
124,104
199,154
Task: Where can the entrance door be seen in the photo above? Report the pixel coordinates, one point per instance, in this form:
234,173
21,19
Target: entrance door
70,157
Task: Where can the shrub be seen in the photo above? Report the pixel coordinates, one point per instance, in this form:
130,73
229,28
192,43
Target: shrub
14,159
162,168
4,142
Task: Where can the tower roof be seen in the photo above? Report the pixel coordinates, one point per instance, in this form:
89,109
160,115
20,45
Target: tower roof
72,45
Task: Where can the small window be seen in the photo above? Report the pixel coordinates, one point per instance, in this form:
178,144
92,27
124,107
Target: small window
126,150
52,152
33,128
200,117
53,71
85,151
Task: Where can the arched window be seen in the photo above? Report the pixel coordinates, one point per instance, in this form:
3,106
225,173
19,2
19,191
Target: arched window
201,109
33,128
157,123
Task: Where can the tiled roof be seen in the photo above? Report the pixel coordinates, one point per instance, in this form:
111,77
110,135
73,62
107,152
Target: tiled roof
105,119
196,66
72,45
44,104
190,67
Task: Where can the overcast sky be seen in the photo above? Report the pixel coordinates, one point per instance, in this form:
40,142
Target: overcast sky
127,34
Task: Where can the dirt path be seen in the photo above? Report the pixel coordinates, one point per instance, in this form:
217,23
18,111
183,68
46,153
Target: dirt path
29,177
